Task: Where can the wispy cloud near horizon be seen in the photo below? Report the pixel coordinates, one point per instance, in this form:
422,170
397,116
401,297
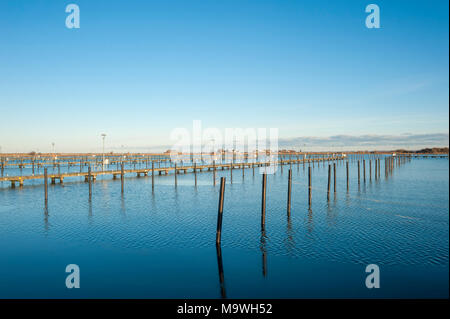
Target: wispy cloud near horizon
341,142
367,141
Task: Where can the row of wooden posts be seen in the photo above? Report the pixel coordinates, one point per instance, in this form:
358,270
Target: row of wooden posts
389,166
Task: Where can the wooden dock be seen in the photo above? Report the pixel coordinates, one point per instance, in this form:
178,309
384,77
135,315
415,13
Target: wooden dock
160,170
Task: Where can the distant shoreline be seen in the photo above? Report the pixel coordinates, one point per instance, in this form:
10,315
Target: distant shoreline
426,151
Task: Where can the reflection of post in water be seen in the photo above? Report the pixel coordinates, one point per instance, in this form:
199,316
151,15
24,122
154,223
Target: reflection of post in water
310,221
264,252
223,293
290,239
122,203
46,219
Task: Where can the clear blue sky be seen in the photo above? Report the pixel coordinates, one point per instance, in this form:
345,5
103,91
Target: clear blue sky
138,69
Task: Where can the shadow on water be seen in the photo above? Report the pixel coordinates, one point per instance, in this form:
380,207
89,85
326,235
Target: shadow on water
223,293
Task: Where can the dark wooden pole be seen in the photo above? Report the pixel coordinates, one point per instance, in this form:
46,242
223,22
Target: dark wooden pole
364,170
220,211
347,175
195,173
214,173
175,168
90,182
263,200
231,172
45,187
153,175
334,177
289,193
309,186
329,182
358,174
121,177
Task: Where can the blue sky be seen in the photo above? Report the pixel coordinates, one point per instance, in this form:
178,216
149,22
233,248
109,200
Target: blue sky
138,69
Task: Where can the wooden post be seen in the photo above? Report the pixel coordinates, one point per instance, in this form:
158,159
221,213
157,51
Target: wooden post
334,178
153,175
281,161
376,170
358,174
364,170
175,168
379,168
370,170
45,187
309,186
195,173
289,193
220,211
347,175
231,172
214,173
121,177
329,182
263,201
90,182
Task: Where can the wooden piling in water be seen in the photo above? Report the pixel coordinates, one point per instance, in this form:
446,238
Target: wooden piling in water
376,169
195,174
334,177
309,186
45,187
347,174
90,182
289,193
121,177
231,172
153,176
329,182
358,174
175,174
263,200
214,173
364,170
220,211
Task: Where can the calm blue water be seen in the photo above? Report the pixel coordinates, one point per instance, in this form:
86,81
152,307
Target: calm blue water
162,244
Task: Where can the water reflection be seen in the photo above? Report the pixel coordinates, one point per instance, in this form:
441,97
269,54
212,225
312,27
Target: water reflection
223,293
310,224
264,252
290,238
46,225
122,204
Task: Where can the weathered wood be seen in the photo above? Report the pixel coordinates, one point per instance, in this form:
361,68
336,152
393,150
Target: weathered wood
263,201
289,193
45,187
220,211
329,182
309,186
